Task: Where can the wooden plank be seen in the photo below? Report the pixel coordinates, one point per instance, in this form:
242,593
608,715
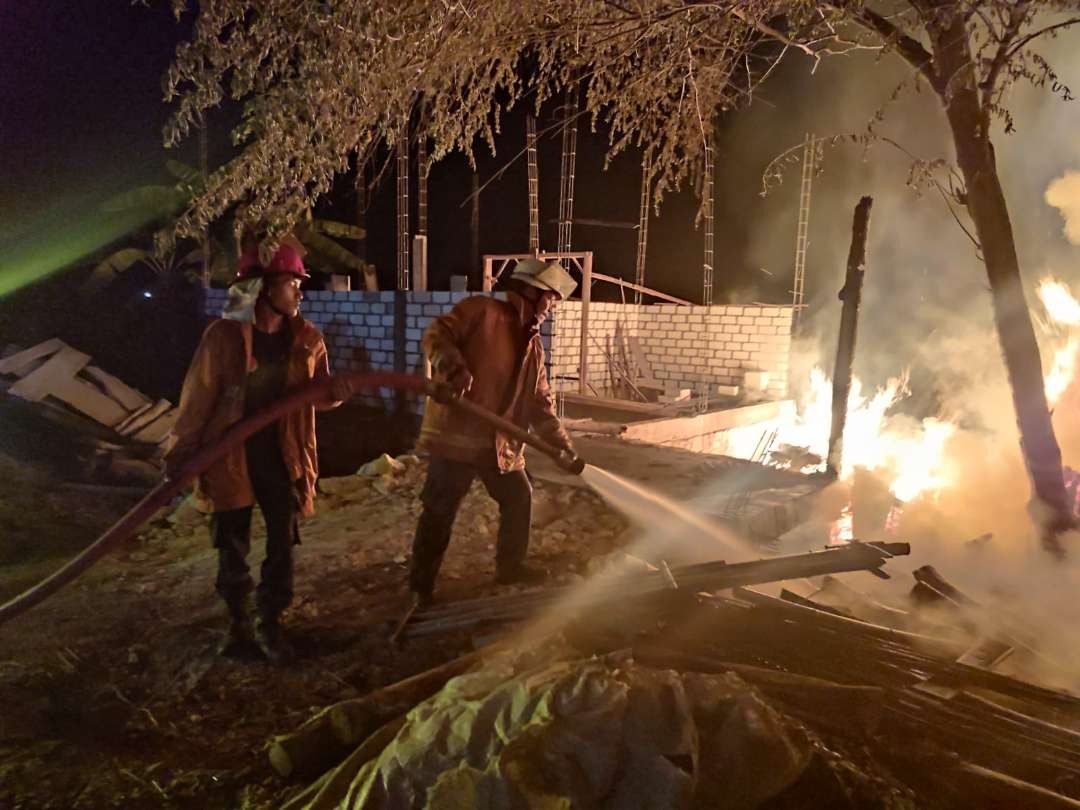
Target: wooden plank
614,404
17,363
56,372
138,423
117,389
586,294
122,428
157,430
641,289
86,398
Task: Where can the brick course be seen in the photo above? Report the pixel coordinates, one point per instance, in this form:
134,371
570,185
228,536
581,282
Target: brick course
687,346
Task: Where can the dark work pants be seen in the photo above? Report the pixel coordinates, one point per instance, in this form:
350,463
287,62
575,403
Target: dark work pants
447,483
231,533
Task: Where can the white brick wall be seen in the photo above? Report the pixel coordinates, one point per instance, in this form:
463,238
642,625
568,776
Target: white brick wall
359,329
686,345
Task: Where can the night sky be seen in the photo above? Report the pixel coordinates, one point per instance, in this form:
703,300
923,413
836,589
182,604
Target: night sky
81,90
81,93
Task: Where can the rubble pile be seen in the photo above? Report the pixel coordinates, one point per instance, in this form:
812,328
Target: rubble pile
119,429
734,700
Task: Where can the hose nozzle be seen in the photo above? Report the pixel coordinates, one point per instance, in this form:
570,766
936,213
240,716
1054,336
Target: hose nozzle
446,395
441,392
571,462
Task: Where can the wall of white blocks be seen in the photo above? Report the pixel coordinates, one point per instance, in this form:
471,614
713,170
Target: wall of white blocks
687,346
360,333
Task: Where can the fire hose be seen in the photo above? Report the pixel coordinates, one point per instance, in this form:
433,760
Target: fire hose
206,457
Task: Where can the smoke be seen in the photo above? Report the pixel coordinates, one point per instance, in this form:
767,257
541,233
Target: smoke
926,304
1064,194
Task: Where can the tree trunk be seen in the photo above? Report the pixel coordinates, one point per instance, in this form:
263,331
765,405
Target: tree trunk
990,215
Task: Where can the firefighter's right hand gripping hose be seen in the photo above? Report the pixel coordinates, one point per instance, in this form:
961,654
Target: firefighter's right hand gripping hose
566,459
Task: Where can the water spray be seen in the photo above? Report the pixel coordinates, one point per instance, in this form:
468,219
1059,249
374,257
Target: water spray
206,457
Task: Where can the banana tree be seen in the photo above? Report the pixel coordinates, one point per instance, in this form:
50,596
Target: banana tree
189,263
318,236
162,202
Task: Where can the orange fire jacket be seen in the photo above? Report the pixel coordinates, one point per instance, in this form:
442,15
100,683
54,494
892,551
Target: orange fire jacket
212,400
509,378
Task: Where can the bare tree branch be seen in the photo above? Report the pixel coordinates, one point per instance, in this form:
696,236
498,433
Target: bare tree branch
1017,16
1025,40
907,46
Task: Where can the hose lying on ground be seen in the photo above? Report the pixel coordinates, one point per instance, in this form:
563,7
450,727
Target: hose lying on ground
163,494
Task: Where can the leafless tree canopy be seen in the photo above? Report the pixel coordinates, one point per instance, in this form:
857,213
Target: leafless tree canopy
324,83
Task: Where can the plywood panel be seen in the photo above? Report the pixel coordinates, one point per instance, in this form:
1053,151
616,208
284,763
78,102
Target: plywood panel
127,396
57,371
16,363
86,398
157,430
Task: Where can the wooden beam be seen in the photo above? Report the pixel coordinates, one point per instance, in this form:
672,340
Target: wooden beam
602,223
86,398
17,363
586,295
117,389
642,289
56,372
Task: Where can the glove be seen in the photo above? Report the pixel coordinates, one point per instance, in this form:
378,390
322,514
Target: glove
460,381
455,373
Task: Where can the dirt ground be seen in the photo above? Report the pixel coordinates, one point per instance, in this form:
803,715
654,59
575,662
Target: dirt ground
111,691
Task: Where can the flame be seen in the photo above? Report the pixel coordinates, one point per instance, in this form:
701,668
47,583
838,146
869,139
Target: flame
912,456
1059,302
1062,370
1063,310
842,530
909,455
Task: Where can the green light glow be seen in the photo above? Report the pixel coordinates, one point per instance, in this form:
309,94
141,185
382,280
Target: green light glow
54,247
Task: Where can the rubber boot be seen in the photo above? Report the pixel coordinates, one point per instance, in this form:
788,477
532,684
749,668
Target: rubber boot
272,640
239,641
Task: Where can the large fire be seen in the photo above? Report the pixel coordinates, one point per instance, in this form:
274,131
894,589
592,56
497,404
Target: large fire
1063,311
907,453
912,455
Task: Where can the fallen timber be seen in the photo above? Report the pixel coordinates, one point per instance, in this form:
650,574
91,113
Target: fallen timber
1014,738
860,689
691,579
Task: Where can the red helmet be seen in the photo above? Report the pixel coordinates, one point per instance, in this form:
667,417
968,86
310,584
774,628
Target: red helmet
286,260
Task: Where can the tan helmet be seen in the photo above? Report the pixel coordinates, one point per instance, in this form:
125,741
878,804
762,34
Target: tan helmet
545,276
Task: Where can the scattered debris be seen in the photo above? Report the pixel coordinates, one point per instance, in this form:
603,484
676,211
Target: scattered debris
642,588
125,428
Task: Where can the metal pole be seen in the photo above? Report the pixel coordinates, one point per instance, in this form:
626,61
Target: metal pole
534,186
803,228
851,294
474,232
586,294
643,226
403,205
707,202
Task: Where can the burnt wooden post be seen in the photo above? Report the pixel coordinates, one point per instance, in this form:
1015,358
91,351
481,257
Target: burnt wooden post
851,294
